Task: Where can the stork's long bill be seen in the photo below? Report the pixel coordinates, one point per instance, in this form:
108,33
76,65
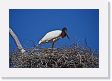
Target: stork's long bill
68,36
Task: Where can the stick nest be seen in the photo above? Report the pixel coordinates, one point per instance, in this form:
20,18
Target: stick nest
68,57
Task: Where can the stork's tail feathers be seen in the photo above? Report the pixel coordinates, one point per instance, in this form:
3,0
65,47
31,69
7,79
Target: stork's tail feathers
39,42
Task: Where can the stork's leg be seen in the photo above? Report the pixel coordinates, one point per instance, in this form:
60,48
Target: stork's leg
52,45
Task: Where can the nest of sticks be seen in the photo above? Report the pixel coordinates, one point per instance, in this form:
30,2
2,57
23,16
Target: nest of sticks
66,57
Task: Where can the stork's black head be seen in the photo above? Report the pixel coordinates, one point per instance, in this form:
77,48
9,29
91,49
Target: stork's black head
64,29
64,32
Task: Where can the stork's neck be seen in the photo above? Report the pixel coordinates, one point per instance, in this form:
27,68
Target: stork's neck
63,34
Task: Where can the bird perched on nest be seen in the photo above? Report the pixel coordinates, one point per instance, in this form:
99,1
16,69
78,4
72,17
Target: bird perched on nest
53,36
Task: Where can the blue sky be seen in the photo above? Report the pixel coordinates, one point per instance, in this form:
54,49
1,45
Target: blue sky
33,24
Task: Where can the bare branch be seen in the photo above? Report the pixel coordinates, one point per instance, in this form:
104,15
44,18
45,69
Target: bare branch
19,46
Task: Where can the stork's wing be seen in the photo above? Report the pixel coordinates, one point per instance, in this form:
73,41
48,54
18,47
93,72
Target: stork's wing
50,35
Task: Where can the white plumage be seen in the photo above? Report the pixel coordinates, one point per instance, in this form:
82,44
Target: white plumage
51,36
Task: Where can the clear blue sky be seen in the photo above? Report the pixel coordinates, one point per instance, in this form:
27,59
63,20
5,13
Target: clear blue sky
33,24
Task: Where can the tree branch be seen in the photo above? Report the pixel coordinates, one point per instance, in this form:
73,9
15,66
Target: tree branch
19,46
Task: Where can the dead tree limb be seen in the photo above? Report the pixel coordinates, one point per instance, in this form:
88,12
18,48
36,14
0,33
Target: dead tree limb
14,36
